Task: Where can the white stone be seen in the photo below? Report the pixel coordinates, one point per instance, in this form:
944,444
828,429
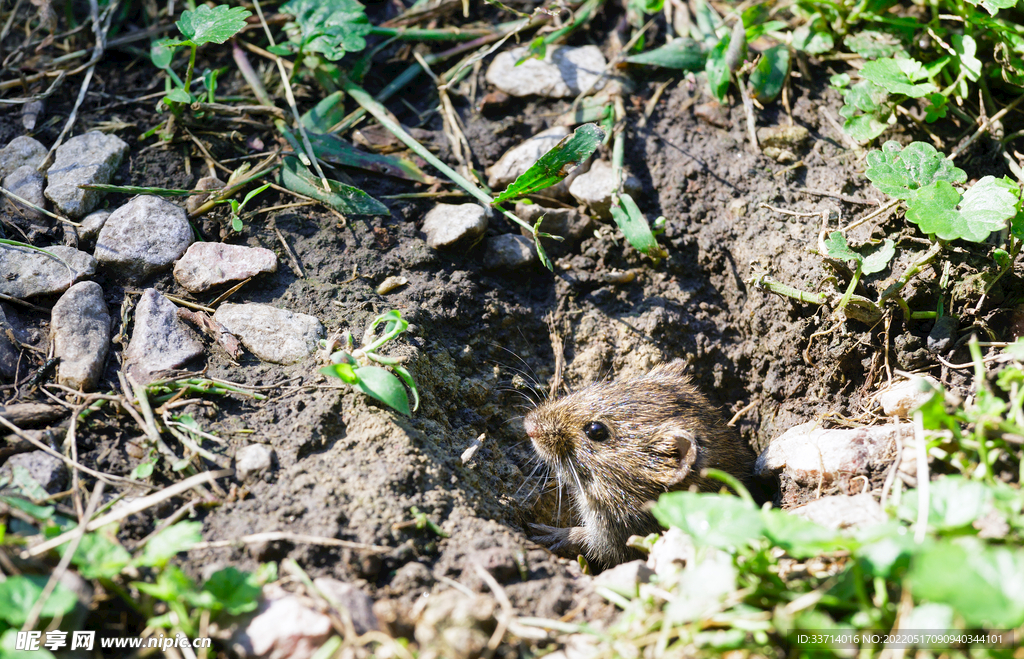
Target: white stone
625,579
90,229
287,629
672,552
448,224
208,264
509,251
253,460
595,187
564,71
842,511
274,335
903,397
160,340
28,272
519,158
27,183
92,158
810,454
21,151
80,334
358,604
142,237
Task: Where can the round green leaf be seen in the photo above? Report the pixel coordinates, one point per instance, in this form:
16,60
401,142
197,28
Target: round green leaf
384,386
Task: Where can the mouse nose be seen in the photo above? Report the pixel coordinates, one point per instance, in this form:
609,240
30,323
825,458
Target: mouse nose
531,427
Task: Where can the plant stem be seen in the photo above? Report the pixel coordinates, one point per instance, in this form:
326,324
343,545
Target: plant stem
191,67
413,34
765,283
910,273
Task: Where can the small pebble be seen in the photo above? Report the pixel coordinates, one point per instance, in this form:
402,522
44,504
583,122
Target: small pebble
448,224
274,335
358,604
193,202
160,341
564,71
509,251
568,223
45,469
252,460
519,158
80,335
595,188
284,628
208,264
902,398
19,152
782,137
27,183
90,229
29,272
92,158
842,511
142,237
391,283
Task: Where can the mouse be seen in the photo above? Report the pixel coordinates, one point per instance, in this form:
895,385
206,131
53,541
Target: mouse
616,445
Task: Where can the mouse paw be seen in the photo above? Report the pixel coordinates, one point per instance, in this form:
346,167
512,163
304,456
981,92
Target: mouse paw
562,541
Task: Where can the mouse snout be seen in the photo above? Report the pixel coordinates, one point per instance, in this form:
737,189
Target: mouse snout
531,427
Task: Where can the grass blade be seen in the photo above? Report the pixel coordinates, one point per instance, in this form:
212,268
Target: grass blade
556,164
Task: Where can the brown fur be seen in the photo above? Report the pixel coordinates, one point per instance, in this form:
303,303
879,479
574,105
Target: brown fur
662,432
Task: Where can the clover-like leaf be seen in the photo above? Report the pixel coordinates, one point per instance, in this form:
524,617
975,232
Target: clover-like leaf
770,73
983,209
965,48
899,172
165,545
838,249
867,111
872,44
329,27
879,259
898,76
212,24
993,6
233,590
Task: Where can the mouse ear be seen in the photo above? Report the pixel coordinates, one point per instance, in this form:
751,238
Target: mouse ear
686,453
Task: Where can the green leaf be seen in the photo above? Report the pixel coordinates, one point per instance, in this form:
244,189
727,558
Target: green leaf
9,641
900,172
879,259
683,54
145,468
556,164
214,24
982,582
965,48
329,27
813,36
634,226
954,503
1016,349
885,549
333,149
171,585
22,480
872,44
165,545
983,209
236,224
41,513
838,249
161,53
866,110
993,6
720,521
897,77
717,69
178,95
233,590
770,73
936,108
99,557
344,372
840,80
381,384
409,382
18,594
345,199
802,538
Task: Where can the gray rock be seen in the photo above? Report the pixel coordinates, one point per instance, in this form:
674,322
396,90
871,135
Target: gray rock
842,511
19,152
8,352
252,460
32,113
595,187
625,579
519,158
142,237
564,71
27,183
92,158
90,229
48,471
358,604
284,628
672,552
448,224
206,265
568,223
274,335
193,202
80,335
159,340
782,137
29,272
943,335
811,455
509,251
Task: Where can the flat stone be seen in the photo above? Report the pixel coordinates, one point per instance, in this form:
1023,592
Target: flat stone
568,223
92,158
8,352
21,151
810,454
206,265
45,469
80,335
902,398
448,224
144,236
509,251
160,340
29,272
519,158
284,628
625,579
27,183
842,511
564,71
358,604
253,460
594,188
782,137
193,202
90,229
274,335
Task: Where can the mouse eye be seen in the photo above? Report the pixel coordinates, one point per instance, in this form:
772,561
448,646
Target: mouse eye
595,431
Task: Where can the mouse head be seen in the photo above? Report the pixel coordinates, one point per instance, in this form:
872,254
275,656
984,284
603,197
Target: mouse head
619,444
